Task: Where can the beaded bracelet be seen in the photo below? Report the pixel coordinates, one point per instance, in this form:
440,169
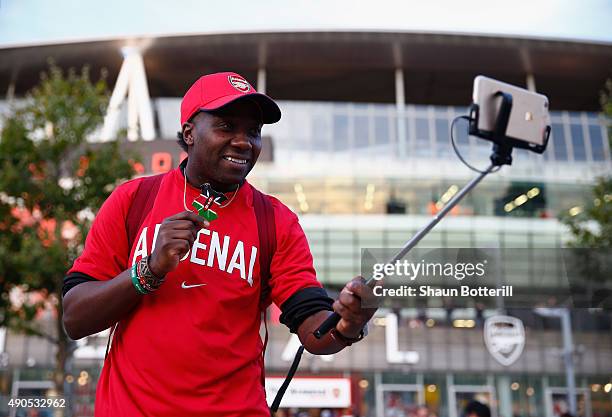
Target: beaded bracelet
143,279
147,279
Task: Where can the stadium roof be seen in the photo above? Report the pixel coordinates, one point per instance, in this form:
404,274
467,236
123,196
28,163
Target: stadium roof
341,66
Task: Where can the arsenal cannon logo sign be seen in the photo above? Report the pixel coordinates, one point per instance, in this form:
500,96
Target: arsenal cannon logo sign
505,338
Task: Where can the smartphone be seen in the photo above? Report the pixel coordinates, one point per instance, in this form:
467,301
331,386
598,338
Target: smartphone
529,121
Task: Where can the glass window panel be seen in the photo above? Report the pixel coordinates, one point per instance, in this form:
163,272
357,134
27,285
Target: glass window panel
556,116
558,138
578,142
521,155
543,240
470,379
440,112
593,117
574,117
370,239
458,240
480,149
516,240
432,240
442,137
420,109
597,145
381,129
342,236
409,135
422,144
321,128
422,129
398,238
483,238
461,132
397,378
361,132
341,141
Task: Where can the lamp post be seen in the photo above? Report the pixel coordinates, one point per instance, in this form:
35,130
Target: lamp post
568,350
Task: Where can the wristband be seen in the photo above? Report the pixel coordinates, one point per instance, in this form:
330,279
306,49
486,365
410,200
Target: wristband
147,279
147,267
143,279
136,282
347,341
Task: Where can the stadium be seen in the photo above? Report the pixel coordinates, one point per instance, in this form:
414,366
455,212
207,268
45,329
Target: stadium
362,154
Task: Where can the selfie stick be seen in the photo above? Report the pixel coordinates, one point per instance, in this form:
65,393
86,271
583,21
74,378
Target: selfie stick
502,155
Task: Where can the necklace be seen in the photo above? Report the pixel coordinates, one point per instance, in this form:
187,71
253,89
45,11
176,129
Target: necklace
185,195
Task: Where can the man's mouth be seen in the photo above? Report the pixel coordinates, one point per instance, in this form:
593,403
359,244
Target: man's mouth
235,160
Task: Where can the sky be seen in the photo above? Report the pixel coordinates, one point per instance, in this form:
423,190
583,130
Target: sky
27,22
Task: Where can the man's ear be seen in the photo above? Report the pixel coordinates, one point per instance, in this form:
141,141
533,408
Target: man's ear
188,128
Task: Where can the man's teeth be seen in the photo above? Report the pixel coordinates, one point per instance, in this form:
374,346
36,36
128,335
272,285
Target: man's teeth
238,161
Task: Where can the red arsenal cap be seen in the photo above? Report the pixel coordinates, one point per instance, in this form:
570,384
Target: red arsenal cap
214,91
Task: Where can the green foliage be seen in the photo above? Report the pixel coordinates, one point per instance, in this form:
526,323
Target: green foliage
51,182
592,227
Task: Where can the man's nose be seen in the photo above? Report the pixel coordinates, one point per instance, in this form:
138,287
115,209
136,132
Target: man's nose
242,140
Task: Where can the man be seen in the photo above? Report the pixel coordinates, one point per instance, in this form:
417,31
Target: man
186,294
477,409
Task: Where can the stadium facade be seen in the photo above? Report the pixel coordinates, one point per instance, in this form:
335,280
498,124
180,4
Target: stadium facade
362,154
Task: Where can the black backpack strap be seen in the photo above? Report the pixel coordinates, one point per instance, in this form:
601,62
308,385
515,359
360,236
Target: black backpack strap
288,378
141,205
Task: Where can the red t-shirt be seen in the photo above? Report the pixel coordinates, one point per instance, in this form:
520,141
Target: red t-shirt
187,349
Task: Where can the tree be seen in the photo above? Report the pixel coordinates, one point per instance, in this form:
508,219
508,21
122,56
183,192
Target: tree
52,180
591,228
591,225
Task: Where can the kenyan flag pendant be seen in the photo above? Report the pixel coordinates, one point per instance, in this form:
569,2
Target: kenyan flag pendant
205,200
209,214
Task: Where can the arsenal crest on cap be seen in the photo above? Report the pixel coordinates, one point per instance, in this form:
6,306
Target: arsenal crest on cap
505,338
239,83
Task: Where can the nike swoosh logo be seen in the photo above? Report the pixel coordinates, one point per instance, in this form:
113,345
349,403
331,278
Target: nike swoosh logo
185,285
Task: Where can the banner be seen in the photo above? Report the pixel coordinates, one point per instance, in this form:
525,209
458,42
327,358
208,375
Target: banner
311,392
